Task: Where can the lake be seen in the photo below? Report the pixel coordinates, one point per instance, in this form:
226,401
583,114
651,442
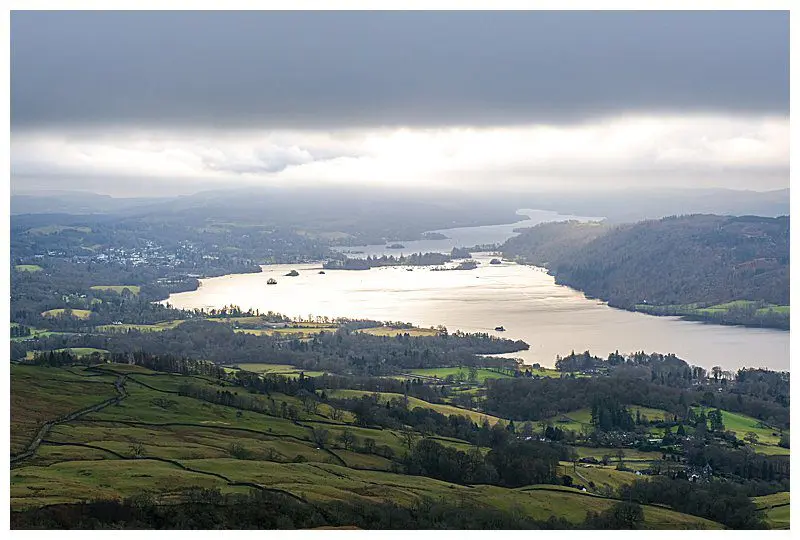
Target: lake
466,236
553,319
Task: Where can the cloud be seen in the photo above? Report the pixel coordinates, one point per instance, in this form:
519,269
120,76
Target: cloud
370,70
643,151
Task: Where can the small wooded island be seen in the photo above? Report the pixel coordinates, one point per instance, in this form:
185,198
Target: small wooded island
293,273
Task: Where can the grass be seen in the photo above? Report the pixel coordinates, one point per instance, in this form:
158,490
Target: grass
718,309
42,394
441,373
203,437
28,268
157,327
630,453
134,289
776,509
413,402
83,351
741,425
770,450
600,475
391,331
77,313
53,229
576,420
278,369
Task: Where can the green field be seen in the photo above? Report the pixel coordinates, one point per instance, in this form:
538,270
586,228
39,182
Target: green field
52,229
776,509
77,313
159,442
576,420
442,373
600,475
717,309
157,327
291,331
278,369
42,394
741,425
631,454
28,268
134,289
392,332
413,402
83,351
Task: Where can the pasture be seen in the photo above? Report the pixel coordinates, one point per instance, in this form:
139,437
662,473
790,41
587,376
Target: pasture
28,268
390,331
742,424
413,402
77,313
162,443
134,289
458,373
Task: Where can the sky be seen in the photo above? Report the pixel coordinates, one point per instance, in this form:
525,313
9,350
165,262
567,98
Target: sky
144,103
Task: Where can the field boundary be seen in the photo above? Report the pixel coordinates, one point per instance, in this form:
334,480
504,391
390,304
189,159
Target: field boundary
119,385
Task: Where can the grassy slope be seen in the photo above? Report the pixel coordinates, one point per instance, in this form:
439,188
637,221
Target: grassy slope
581,417
441,373
64,473
776,509
116,288
391,331
78,313
741,424
416,402
157,327
42,394
28,268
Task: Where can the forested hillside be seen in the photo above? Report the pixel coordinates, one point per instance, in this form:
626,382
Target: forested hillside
726,269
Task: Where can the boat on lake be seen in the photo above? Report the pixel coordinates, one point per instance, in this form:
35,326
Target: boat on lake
499,329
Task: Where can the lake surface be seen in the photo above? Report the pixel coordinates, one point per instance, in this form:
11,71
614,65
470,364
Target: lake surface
466,236
553,319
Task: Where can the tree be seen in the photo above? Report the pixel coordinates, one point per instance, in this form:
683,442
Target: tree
347,438
336,412
320,436
369,445
409,437
715,417
136,450
751,437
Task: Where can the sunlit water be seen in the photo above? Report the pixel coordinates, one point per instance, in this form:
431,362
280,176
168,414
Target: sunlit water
525,300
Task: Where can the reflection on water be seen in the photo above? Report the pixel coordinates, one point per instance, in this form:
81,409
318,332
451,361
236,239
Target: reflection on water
525,300
467,236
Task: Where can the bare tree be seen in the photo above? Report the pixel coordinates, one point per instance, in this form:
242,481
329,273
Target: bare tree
348,439
320,436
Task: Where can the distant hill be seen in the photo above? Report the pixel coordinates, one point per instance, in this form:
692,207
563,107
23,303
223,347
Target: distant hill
631,205
732,270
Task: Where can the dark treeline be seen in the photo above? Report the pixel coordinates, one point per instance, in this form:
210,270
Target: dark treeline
209,509
510,464
724,502
342,351
700,260
415,259
537,399
414,387
62,284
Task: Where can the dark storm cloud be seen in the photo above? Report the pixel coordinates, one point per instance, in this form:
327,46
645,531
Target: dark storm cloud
351,69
